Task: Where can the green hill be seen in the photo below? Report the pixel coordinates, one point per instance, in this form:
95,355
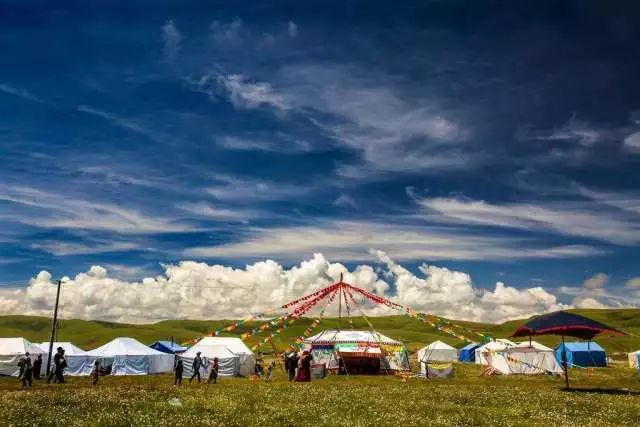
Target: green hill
91,334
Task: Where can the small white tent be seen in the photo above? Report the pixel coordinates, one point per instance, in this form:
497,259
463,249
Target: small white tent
234,357
634,358
483,353
437,351
127,356
11,350
78,362
526,358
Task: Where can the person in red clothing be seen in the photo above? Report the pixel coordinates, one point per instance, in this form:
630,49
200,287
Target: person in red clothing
304,368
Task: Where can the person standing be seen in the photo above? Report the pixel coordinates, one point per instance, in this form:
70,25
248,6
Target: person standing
37,367
60,363
178,373
95,371
197,364
213,373
304,367
292,365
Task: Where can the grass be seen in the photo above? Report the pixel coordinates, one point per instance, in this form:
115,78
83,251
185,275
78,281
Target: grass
91,334
467,399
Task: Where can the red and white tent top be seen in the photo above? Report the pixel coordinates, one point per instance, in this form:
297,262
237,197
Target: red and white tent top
332,336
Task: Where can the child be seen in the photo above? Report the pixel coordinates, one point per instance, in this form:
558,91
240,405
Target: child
213,373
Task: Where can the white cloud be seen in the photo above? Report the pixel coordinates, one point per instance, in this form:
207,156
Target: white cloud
352,241
227,34
587,302
575,130
97,247
575,219
235,189
344,201
279,144
632,142
51,210
200,291
596,282
172,39
129,124
20,92
292,29
633,283
207,210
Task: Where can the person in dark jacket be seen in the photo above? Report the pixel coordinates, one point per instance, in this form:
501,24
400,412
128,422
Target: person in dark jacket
59,363
197,364
37,367
178,371
26,374
213,372
292,365
95,371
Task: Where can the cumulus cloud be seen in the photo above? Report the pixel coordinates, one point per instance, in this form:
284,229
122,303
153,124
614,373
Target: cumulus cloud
172,39
596,282
632,142
200,291
587,302
633,283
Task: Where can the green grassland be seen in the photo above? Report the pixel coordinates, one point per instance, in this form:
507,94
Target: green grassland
414,333
467,399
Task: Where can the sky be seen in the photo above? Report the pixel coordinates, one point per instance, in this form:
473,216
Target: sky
183,159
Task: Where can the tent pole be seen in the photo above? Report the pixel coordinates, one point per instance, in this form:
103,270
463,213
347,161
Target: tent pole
54,323
564,364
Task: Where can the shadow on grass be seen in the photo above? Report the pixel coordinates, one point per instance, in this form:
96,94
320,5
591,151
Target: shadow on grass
614,391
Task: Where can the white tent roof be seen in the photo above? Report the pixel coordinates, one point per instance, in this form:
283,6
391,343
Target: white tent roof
123,347
13,346
438,345
534,344
234,345
499,344
69,348
209,351
335,336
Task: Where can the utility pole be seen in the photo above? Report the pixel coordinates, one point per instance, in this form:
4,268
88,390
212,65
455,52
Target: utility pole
54,324
340,305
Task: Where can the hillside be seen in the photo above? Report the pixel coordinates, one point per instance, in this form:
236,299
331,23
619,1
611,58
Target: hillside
90,334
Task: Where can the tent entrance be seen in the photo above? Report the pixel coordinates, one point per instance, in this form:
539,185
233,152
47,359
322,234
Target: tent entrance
359,365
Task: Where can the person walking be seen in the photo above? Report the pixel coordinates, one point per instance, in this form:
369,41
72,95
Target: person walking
37,367
304,368
178,373
197,364
60,363
213,372
26,375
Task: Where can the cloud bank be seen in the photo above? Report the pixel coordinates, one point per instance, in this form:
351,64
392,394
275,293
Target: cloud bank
191,290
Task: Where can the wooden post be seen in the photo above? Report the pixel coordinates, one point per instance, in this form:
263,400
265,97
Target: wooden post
53,327
564,364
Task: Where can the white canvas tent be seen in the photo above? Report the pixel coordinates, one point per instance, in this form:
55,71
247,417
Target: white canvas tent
11,350
78,361
634,358
437,351
526,358
127,356
486,351
234,357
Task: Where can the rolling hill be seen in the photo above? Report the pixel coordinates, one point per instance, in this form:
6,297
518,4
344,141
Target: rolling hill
91,334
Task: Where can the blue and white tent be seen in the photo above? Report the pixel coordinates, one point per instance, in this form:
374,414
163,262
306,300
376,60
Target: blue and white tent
582,354
634,359
168,347
468,352
78,361
127,356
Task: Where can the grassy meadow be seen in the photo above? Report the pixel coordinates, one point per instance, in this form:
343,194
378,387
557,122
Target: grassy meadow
467,399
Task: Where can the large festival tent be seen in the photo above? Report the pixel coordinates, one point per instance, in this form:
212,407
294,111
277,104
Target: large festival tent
234,357
362,352
634,359
484,352
437,351
467,354
12,350
169,347
583,354
78,361
127,356
527,358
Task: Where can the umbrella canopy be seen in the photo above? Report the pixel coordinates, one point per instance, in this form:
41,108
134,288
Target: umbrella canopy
565,324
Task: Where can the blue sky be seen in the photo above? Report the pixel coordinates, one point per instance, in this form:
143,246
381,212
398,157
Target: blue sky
496,139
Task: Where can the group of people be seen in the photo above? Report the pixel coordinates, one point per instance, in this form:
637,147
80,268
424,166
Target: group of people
298,366
30,370
198,364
